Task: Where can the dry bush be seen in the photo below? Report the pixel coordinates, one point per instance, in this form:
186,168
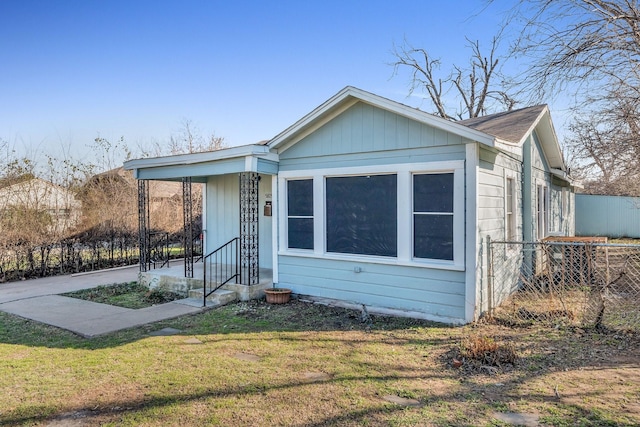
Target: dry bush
487,351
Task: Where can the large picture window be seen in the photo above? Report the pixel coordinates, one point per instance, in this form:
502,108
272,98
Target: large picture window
433,216
300,213
362,215
402,214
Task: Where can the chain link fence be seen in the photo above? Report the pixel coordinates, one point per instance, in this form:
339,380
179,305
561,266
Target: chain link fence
586,284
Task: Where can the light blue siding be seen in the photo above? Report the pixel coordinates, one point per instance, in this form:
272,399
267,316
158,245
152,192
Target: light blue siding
222,210
223,215
611,216
415,155
494,168
366,129
560,217
368,136
437,292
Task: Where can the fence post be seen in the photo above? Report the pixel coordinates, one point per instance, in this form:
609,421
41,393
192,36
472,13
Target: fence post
490,277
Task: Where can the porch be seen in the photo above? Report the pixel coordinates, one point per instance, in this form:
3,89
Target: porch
172,278
236,218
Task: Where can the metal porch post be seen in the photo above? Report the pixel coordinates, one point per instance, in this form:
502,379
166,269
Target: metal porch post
143,224
187,241
249,256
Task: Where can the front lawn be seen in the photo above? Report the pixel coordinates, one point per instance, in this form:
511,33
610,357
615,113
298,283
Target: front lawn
303,364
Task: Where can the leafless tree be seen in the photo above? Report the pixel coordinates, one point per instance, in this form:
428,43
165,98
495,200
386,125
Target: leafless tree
588,51
586,47
605,144
479,87
190,140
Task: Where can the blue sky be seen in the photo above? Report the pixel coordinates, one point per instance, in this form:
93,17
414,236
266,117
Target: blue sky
244,70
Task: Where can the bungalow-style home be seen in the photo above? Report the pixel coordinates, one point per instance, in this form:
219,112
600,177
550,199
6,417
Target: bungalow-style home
369,201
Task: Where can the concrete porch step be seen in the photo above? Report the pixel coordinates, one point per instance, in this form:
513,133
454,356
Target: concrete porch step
218,298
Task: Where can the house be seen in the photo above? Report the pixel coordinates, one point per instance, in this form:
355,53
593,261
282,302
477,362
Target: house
40,205
372,202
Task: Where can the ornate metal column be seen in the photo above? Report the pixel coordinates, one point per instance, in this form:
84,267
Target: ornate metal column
249,260
143,224
187,242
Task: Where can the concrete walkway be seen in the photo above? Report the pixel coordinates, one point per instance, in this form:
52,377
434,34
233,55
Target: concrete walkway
39,300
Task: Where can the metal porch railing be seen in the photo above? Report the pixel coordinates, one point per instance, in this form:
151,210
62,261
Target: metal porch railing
222,266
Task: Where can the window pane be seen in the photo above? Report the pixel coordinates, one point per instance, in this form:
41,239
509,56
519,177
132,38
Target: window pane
433,236
362,215
433,192
300,197
300,233
509,206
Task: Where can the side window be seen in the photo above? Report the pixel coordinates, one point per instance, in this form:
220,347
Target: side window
300,214
543,211
433,216
510,218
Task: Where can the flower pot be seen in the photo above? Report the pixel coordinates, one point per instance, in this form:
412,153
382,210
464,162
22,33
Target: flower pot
278,295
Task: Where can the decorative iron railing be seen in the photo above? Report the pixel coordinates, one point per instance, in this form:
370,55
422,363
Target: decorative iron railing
158,249
221,267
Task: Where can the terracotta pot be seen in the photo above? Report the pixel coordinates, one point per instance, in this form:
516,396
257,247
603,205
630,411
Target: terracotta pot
278,295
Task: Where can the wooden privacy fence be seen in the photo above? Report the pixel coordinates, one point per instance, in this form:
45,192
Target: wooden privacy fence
587,284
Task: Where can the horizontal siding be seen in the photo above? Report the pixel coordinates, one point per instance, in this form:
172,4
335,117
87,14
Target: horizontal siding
432,154
434,292
367,129
491,208
611,216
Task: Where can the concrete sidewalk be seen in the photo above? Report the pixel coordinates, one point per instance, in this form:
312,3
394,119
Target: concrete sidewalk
38,300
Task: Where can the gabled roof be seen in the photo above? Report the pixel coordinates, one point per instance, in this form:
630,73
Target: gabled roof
509,126
348,97
514,127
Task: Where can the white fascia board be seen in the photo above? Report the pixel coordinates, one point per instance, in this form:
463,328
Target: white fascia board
209,156
548,138
350,95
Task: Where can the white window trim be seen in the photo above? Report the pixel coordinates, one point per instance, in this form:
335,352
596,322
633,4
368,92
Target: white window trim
509,174
542,221
404,174
564,208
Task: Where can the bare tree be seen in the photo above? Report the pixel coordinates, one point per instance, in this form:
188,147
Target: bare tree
479,87
190,140
588,47
605,144
588,51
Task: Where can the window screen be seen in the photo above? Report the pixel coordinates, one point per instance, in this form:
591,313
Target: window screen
300,213
433,216
362,215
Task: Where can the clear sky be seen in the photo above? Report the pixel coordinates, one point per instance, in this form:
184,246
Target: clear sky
72,70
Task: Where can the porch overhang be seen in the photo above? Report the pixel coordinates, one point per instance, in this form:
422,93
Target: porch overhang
247,158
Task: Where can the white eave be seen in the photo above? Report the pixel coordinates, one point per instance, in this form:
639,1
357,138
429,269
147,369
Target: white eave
253,150
348,97
549,141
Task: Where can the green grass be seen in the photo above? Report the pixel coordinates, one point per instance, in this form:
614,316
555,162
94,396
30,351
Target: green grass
127,295
309,365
